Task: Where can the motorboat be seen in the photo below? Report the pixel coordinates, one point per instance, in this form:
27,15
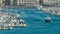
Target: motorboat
47,19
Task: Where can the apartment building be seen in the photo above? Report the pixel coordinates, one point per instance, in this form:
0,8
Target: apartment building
18,2
26,2
52,2
0,2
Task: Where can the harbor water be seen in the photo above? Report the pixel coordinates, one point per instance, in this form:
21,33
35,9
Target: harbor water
35,22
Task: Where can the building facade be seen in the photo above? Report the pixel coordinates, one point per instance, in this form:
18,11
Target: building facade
7,2
27,2
0,2
18,2
52,2
14,2
41,1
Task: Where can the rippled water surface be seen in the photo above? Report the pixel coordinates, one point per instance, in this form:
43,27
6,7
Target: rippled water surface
35,22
